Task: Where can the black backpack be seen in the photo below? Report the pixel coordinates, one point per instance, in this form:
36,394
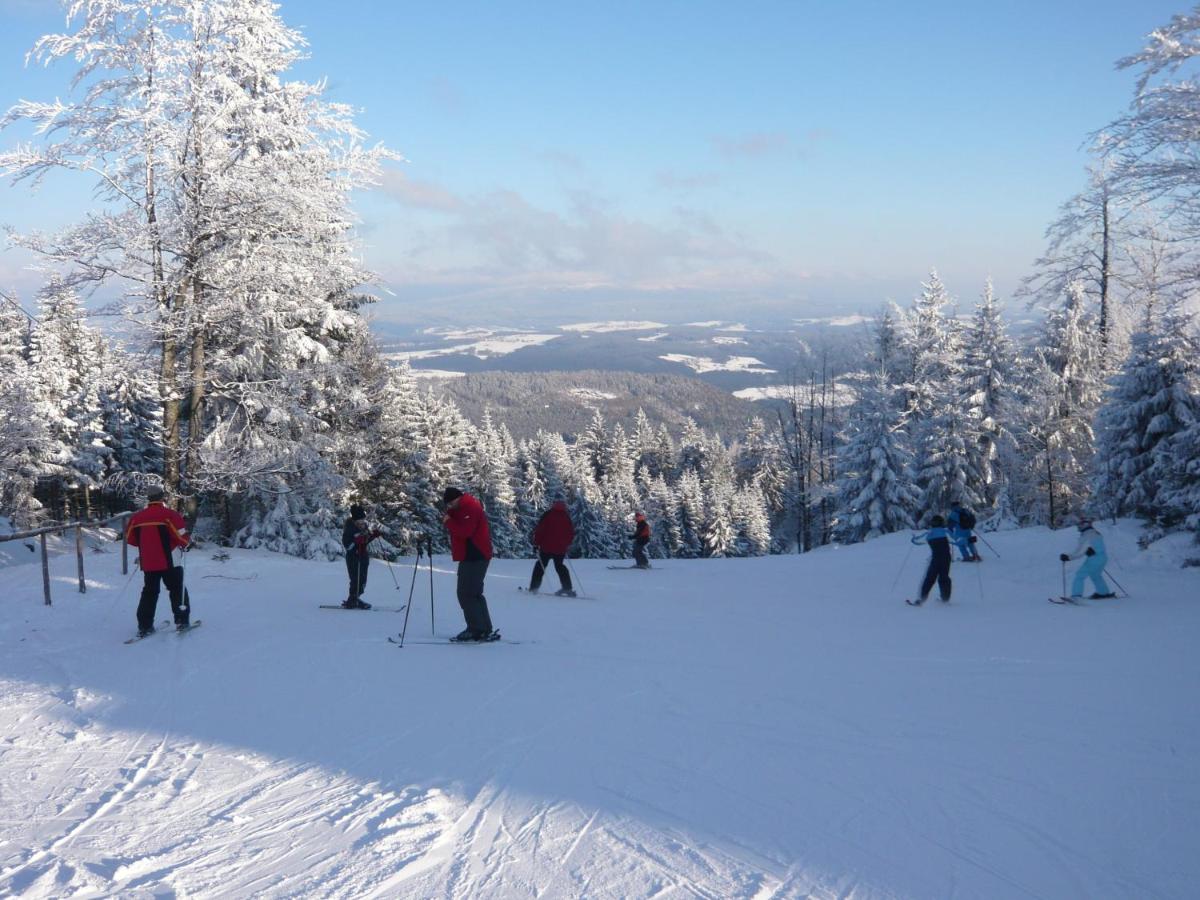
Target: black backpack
966,519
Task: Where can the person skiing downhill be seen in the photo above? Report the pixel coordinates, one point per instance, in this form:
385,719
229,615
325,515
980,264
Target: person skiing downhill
1091,547
552,538
471,548
356,536
938,539
640,538
962,522
157,531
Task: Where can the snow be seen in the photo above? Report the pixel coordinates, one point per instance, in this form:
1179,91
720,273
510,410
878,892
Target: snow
843,394
773,727
605,327
482,349
703,364
437,373
591,394
655,337
729,340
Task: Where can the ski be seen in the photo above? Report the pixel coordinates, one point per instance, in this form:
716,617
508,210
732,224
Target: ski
525,590
643,568
372,609
912,602
1065,601
184,629
167,627
428,643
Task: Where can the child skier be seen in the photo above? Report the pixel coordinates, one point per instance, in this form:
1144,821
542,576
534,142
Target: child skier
356,535
1090,546
640,538
938,539
552,537
962,521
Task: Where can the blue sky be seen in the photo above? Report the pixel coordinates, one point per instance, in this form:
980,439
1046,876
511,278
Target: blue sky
647,158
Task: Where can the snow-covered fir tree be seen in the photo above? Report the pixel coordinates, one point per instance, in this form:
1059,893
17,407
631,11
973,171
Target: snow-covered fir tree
1151,401
988,358
875,492
25,445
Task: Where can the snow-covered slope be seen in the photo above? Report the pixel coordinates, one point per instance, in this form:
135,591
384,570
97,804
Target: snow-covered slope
781,727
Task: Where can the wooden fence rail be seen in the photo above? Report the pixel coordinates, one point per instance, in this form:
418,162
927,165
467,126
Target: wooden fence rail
40,534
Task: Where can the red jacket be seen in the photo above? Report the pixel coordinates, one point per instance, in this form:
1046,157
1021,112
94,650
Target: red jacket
468,521
156,531
554,532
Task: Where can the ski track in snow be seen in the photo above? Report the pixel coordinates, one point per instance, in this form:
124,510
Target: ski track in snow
683,736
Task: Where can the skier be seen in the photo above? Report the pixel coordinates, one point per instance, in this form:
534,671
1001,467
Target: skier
157,531
1091,546
552,537
356,536
640,538
938,539
962,522
471,548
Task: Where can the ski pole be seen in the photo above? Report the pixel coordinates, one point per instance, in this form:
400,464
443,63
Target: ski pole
979,572
575,576
412,587
900,571
1120,586
1064,578
986,544
429,550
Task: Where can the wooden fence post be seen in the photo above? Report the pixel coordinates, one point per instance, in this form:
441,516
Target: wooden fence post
79,557
45,568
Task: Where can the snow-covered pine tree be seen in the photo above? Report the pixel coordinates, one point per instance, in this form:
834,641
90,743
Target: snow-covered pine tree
751,520
24,443
67,360
692,515
988,359
945,433
875,492
1063,395
1151,401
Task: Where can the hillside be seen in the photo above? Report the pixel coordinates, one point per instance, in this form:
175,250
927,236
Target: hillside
566,401
776,727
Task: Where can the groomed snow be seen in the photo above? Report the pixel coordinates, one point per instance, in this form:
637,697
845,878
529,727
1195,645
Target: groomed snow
780,727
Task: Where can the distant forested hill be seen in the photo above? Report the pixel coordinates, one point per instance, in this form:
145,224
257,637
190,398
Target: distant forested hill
564,401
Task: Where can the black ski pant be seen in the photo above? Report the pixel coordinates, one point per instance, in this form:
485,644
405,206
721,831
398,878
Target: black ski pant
356,568
639,553
471,573
173,579
939,571
539,569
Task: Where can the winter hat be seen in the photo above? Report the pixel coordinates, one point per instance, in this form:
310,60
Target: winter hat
156,494
1084,523
357,512
450,494
640,517
937,522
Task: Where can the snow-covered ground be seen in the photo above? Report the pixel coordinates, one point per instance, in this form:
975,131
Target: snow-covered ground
485,348
781,727
703,364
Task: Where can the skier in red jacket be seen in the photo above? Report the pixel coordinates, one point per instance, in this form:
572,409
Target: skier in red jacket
156,532
552,537
471,548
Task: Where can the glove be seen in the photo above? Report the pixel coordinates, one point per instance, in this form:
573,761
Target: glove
1091,552
1064,558
376,533
185,548
974,540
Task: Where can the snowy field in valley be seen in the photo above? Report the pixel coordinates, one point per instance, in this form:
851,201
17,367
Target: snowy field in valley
763,728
